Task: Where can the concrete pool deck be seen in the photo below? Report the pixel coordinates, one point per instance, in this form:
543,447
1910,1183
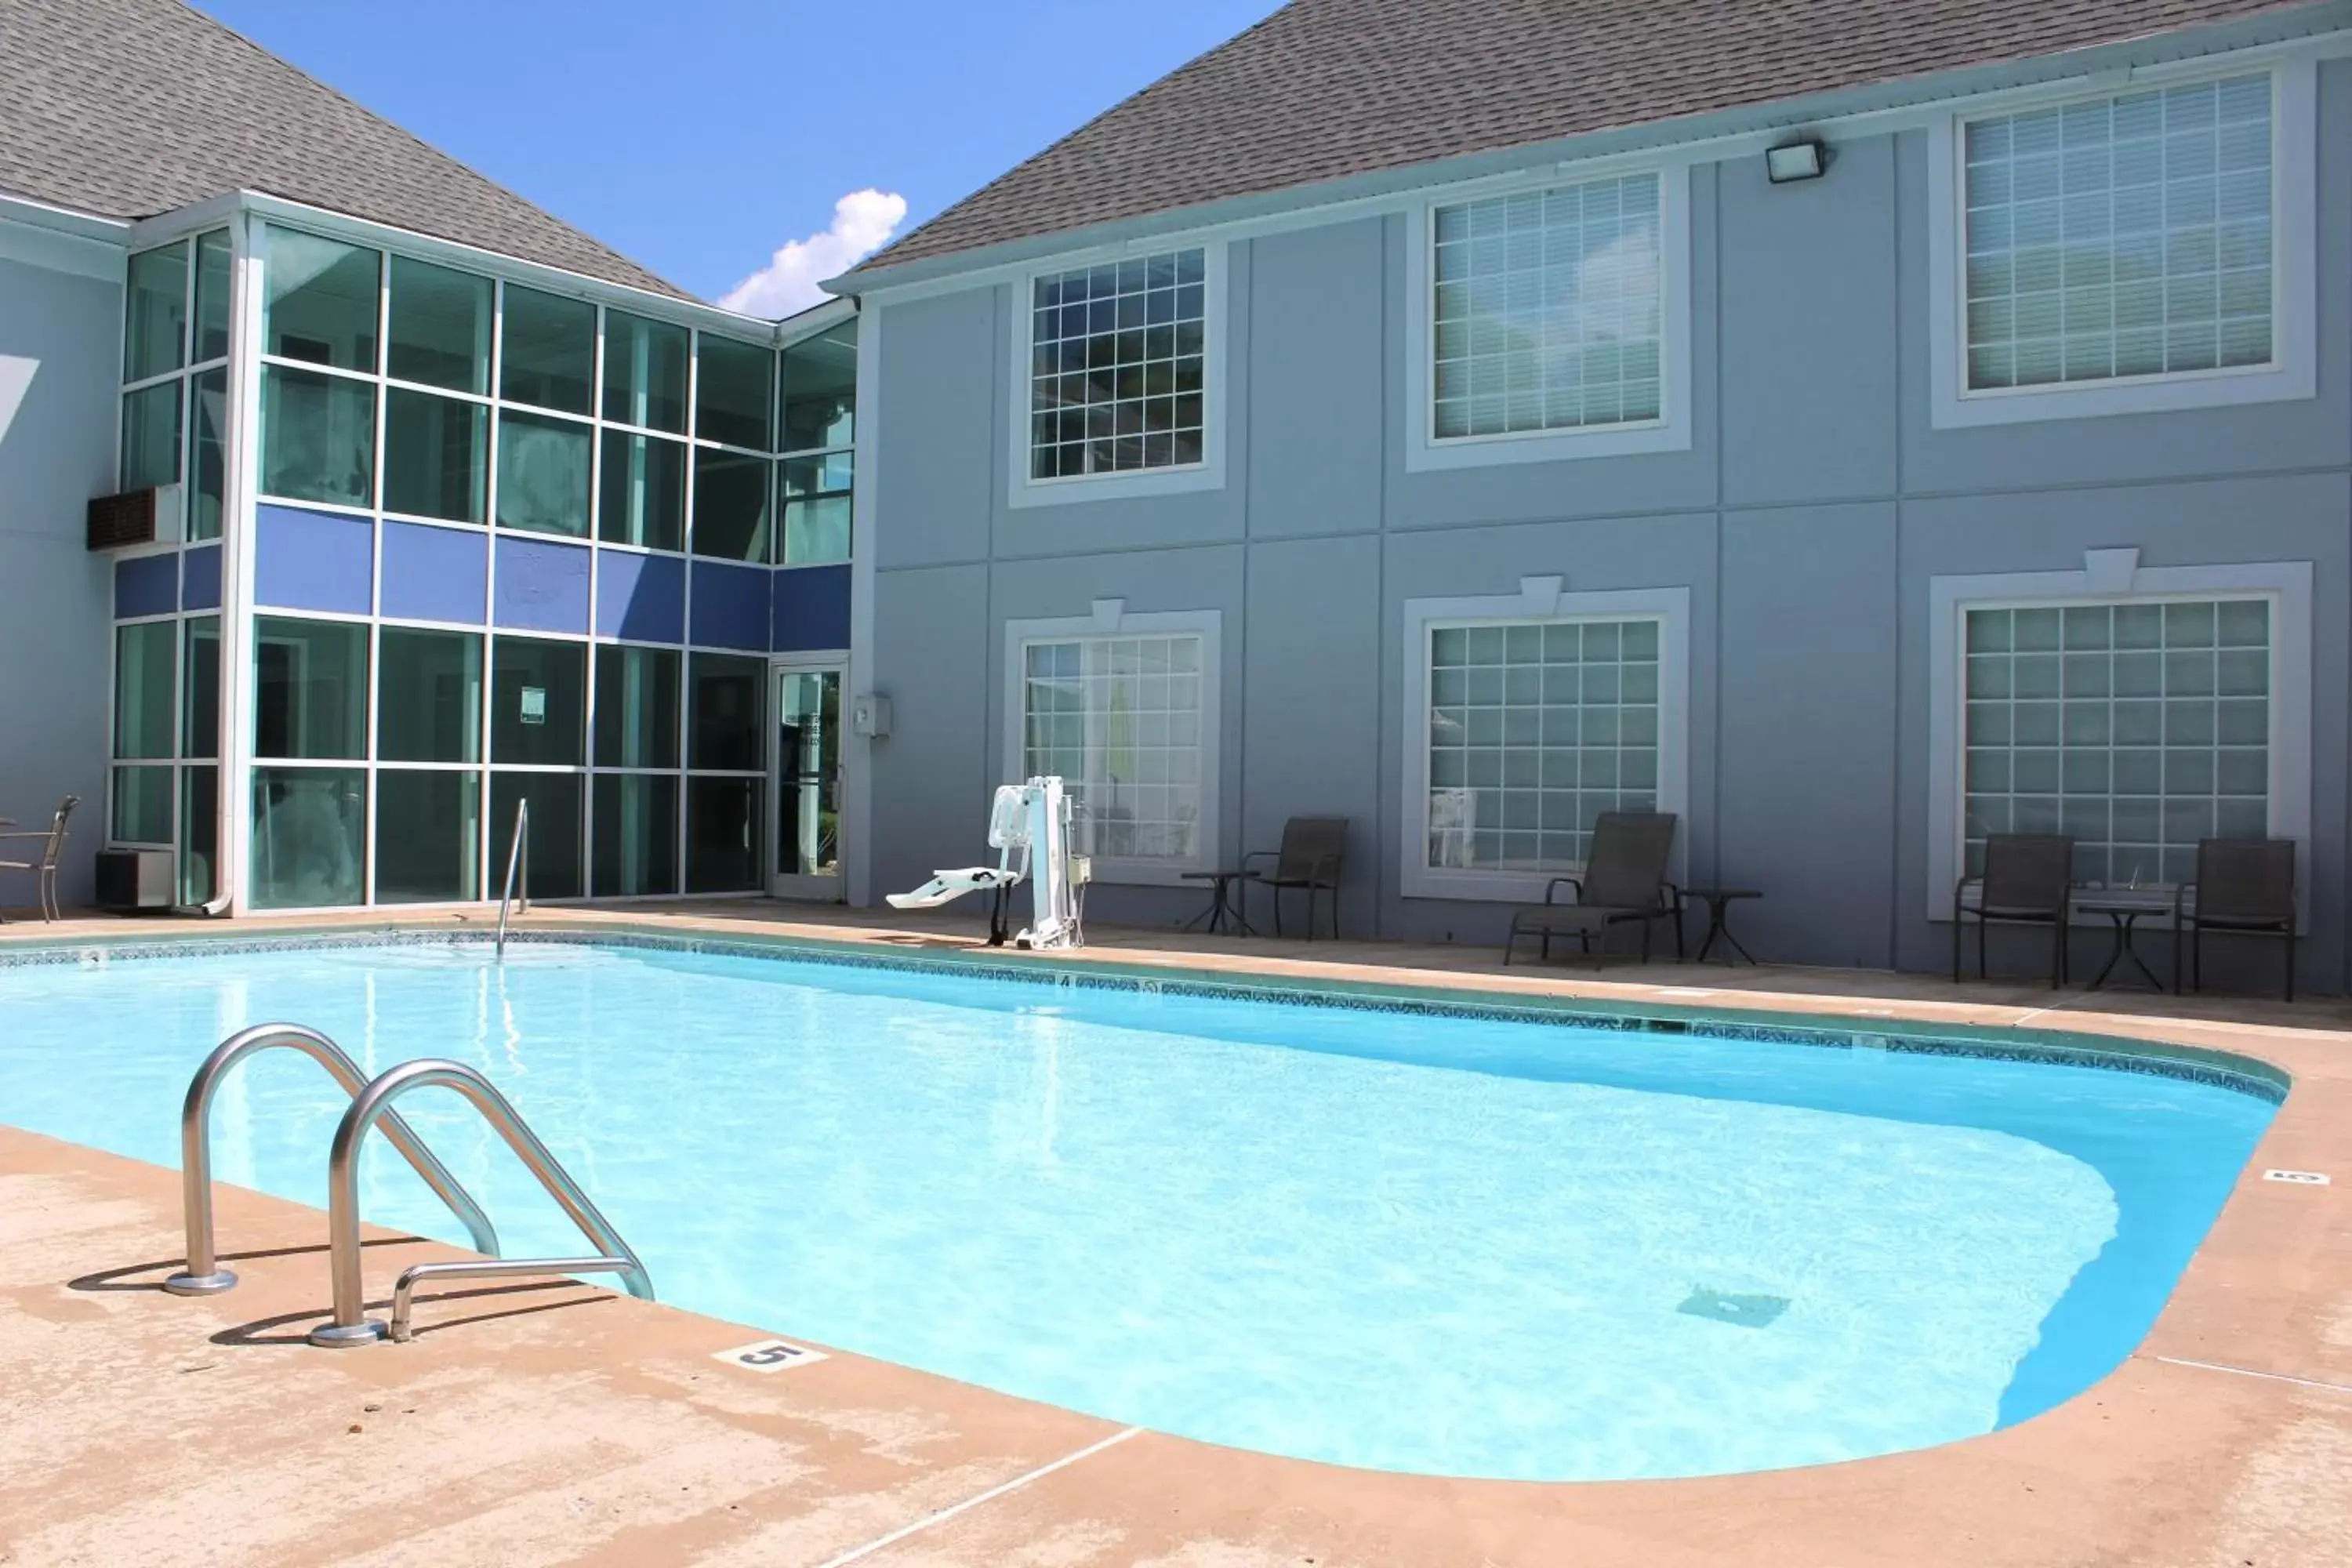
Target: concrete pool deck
559,1423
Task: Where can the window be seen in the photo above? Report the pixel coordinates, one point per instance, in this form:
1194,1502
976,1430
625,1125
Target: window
735,394
320,301
1118,366
818,429
429,695
213,256
1126,719
548,352
310,689
1535,729
636,834
645,372
318,436
436,456
2121,237
643,499
730,505
151,436
440,333
1549,310
1529,715
636,813
200,697
311,699
726,735
546,469
2135,729
2124,253
2135,710
207,480
636,708
145,708
156,290
539,703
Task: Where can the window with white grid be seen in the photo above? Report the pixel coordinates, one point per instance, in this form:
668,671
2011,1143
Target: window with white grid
2135,728
1117,358
1548,310
1535,729
1119,719
2129,236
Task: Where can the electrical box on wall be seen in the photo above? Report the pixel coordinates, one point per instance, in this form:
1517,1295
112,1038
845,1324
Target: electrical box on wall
871,716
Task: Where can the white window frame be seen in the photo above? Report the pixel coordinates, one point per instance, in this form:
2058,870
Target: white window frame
2116,577
2292,372
1670,432
1539,599
1208,474
1111,618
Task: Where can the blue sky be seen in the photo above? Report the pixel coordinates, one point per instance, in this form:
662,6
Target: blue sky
699,136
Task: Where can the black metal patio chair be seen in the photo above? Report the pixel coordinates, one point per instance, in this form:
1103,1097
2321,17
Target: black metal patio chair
1624,883
1314,849
2245,886
2029,879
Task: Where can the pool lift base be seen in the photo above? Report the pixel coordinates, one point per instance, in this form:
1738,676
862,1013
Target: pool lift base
1034,819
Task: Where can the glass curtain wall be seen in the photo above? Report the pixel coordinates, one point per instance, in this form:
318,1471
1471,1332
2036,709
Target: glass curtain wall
439,398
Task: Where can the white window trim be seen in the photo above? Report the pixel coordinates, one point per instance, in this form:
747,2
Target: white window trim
1208,474
1540,599
1111,618
2116,577
2293,371
1670,432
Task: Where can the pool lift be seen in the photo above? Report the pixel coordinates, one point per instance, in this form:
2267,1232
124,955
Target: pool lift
1033,819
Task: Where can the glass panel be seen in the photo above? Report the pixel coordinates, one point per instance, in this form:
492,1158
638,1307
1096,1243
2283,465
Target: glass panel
213,285
809,752
1116,365
428,829
436,456
199,834
820,386
1119,718
2137,749
318,436
722,828
548,354
144,662
440,330
155,295
308,827
636,834
643,499
150,437
730,506
732,394
554,846
816,508
1548,725
539,704
644,371
544,469
321,302
724,717
429,697
200,695
310,689
143,806
2130,236
636,708
207,475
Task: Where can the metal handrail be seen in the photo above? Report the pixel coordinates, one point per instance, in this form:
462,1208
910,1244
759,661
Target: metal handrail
403,1292
515,861
203,1275
352,1325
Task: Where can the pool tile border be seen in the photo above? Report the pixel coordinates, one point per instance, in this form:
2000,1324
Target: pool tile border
2223,1071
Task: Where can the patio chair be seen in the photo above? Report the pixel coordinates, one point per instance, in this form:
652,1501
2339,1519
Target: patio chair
2244,886
42,865
1624,883
1313,849
2029,879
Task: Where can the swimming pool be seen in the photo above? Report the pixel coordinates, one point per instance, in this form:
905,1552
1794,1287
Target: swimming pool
1441,1243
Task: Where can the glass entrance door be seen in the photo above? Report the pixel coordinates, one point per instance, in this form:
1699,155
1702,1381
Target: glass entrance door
808,783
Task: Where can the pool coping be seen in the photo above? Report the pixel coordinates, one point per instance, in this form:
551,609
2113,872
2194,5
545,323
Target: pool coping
2227,1069
2226,1429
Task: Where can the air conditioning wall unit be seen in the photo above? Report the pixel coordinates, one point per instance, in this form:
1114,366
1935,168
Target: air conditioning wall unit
152,516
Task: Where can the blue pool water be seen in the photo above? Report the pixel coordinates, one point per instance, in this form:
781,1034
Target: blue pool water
1421,1243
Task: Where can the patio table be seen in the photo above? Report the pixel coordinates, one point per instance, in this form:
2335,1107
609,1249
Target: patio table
1718,901
1224,910
2124,910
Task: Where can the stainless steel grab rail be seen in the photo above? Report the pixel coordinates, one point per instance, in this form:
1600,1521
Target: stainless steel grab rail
203,1275
352,1325
404,1292
516,860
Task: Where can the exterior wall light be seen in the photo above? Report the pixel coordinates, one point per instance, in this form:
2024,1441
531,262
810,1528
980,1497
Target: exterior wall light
1793,161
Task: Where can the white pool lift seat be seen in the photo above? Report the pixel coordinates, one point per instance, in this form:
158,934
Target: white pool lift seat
1031,819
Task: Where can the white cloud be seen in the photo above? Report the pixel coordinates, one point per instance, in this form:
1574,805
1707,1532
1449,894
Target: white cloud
862,221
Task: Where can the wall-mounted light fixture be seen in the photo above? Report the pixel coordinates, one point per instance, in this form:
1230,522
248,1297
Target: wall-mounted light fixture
1802,159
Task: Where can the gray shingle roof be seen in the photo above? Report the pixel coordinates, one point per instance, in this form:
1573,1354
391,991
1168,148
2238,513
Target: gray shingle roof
1327,89
130,108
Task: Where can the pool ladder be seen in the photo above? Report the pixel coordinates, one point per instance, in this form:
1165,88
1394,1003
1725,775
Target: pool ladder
372,1102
